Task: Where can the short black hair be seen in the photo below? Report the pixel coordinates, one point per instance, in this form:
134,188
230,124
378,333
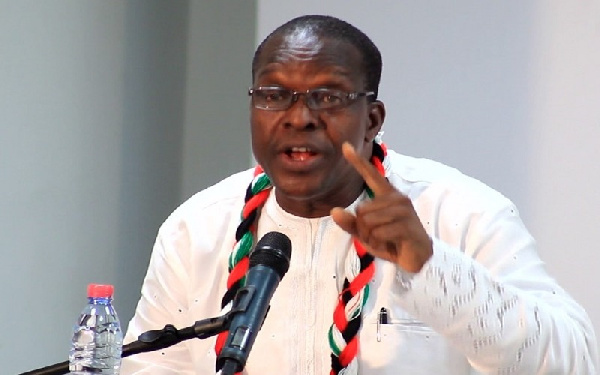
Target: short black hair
335,28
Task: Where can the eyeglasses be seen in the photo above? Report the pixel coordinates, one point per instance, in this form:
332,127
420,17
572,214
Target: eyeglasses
280,99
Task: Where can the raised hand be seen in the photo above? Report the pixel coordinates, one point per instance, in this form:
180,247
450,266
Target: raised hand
387,224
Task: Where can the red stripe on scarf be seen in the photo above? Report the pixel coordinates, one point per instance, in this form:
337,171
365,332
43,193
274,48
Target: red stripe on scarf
238,272
379,165
339,316
258,170
362,279
255,202
359,247
349,352
384,148
221,338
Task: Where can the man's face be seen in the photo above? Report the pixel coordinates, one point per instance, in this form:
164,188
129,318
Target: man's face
300,148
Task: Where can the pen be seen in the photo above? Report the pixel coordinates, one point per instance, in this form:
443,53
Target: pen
383,316
381,319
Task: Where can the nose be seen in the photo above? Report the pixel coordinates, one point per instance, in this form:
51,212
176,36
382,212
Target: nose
299,116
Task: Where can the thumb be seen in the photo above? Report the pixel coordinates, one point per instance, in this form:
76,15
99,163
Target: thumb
344,219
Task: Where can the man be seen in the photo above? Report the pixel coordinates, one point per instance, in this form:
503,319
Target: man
399,265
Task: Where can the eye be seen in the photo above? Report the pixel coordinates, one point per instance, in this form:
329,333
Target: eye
328,98
273,95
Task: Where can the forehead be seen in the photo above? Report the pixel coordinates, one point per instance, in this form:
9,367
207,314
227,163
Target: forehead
306,53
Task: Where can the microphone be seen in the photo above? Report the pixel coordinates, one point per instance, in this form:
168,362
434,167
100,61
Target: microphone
269,261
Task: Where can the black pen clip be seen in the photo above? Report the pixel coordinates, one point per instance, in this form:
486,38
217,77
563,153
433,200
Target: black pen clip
382,318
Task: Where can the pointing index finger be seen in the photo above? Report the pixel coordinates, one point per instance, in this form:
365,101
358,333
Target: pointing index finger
377,182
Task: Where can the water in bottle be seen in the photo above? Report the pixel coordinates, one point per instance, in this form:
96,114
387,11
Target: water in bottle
97,337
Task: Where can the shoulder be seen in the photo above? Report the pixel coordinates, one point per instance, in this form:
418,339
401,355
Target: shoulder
212,207
425,179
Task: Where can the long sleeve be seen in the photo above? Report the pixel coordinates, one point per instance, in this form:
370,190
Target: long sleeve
486,290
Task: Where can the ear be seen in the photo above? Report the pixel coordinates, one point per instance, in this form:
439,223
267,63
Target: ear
376,116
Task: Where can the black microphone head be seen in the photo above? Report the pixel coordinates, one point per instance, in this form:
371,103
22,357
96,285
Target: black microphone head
273,250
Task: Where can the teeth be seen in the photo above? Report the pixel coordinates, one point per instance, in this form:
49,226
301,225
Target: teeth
300,149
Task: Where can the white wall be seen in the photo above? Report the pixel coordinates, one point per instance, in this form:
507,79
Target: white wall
90,142
216,129
95,103
506,91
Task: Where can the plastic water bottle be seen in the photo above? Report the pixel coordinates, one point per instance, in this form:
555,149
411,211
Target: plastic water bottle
97,337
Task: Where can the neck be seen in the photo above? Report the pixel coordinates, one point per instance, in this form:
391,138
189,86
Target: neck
312,207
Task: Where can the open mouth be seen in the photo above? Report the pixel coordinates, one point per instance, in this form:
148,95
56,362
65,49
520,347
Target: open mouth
300,153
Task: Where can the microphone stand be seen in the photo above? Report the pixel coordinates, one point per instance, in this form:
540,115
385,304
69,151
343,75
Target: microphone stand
154,340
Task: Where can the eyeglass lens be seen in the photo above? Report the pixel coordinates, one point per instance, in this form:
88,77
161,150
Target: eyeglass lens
280,98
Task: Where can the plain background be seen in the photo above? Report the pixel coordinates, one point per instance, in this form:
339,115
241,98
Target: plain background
112,113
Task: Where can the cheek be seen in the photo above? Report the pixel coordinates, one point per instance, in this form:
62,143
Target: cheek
263,121
349,129
261,133
258,126
254,120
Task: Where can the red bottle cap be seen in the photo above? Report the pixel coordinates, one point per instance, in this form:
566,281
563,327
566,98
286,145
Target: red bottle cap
100,291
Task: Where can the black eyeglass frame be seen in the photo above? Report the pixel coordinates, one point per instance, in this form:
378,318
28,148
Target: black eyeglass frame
348,97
